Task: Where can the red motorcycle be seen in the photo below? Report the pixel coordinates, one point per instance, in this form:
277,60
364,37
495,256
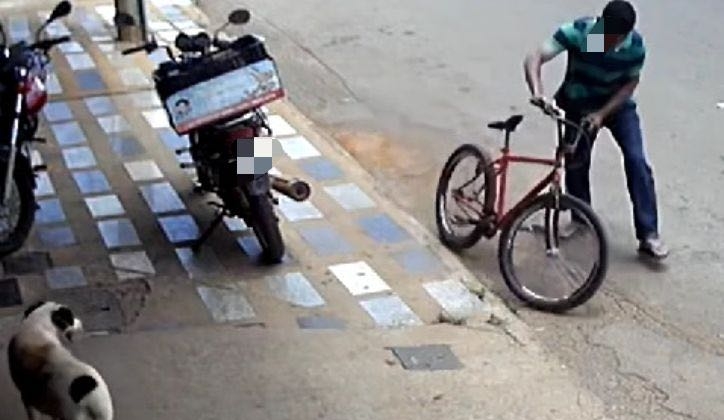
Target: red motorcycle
23,95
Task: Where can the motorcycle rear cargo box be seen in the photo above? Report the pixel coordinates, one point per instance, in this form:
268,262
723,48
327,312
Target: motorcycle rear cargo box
220,86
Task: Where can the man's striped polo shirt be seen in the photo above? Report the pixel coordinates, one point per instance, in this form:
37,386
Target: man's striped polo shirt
592,76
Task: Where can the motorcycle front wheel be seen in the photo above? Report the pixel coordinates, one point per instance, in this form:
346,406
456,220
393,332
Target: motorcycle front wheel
265,224
18,215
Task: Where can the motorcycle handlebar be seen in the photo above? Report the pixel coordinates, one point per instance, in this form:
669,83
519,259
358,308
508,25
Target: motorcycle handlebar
47,44
136,49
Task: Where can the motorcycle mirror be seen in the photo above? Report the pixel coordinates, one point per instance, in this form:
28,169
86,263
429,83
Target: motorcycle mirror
124,19
239,17
63,9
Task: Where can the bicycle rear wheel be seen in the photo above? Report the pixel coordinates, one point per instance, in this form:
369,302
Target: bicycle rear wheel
475,197
559,246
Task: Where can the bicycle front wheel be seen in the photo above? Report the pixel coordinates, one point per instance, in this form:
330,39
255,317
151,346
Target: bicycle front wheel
554,255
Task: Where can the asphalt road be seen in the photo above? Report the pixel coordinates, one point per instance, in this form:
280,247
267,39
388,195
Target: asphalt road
401,84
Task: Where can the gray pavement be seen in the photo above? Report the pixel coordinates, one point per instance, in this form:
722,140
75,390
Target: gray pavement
401,84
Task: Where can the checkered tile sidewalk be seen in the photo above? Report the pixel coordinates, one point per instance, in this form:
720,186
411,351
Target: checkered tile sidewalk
115,204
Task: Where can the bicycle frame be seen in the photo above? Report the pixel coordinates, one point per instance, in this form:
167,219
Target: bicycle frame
501,165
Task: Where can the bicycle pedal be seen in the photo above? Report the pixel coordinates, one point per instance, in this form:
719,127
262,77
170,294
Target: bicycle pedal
39,140
40,168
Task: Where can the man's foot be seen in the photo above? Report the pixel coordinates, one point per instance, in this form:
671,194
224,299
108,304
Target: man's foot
653,247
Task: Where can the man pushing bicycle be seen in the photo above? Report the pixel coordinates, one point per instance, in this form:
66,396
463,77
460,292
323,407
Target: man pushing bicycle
605,57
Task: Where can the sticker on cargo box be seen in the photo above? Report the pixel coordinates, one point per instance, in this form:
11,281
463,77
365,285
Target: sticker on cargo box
224,96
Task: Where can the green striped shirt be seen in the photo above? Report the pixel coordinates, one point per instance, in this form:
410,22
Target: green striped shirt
594,76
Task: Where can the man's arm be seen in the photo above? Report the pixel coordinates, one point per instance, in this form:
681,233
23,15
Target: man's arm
534,62
619,98
626,90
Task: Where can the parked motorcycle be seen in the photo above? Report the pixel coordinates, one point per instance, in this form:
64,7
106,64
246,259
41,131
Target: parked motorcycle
23,95
213,90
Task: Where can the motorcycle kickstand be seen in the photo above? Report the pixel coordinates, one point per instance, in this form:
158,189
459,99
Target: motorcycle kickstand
209,230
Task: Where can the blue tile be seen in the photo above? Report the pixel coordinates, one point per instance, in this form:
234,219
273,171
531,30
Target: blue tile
57,111
50,211
172,140
126,146
91,182
161,198
44,185
56,237
382,229
325,240
68,133
79,157
179,228
249,245
321,169
89,80
419,261
101,105
118,233
65,277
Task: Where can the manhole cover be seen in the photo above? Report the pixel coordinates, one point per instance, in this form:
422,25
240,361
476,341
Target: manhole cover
99,309
27,263
428,357
10,293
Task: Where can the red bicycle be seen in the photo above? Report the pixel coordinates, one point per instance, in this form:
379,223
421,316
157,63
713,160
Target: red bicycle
483,212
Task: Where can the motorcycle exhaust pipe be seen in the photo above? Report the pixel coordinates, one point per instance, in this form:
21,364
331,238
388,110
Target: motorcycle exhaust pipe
296,189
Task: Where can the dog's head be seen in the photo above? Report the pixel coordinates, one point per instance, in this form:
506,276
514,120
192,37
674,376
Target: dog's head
54,317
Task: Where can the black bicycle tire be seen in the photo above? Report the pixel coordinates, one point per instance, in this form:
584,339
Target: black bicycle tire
455,242
23,179
589,287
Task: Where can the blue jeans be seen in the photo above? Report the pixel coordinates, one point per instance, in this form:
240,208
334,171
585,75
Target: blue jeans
626,130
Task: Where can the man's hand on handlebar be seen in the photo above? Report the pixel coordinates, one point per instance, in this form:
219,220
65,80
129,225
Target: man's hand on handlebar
548,107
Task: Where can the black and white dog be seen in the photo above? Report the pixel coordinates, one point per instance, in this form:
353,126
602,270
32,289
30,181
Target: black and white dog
50,379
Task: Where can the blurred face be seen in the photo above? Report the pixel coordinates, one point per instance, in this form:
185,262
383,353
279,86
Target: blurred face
610,41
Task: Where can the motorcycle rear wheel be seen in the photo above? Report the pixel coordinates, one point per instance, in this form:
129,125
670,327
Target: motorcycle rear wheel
265,224
22,186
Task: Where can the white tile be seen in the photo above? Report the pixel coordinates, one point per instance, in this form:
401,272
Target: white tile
455,298
143,170
295,289
235,224
102,38
225,304
159,25
134,77
106,48
132,265
157,118
71,47
168,36
280,126
298,147
295,211
349,196
359,278
390,312
113,124
80,61
104,206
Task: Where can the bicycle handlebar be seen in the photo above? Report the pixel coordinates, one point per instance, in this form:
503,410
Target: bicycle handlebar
556,113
